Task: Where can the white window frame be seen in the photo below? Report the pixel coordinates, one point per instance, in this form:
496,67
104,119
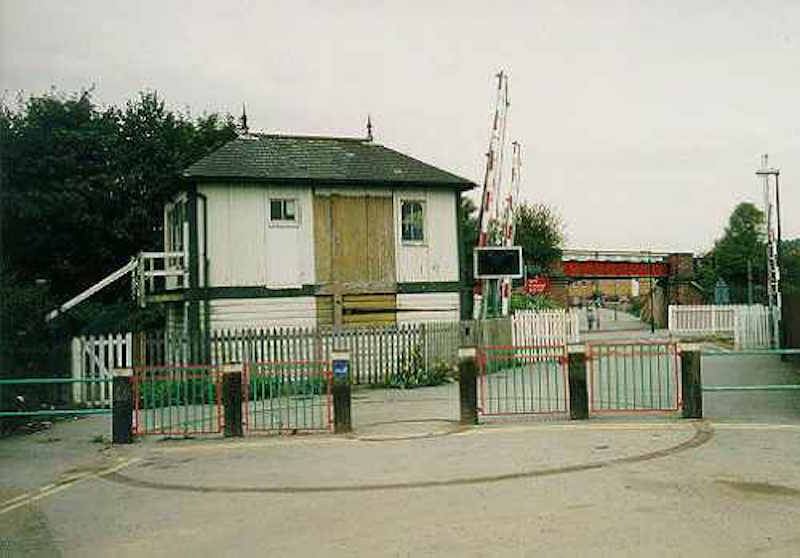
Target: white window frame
423,205
283,222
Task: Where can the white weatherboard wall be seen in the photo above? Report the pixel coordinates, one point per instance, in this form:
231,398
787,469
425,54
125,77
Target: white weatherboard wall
427,307
254,313
245,249
435,259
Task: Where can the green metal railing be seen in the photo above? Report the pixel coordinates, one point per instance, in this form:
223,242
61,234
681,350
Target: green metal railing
523,380
288,396
45,391
633,377
770,387
748,352
177,399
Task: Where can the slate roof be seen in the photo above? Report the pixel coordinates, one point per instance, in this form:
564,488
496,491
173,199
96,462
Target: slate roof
282,158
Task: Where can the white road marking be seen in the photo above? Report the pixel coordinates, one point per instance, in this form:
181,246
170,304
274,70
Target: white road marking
18,498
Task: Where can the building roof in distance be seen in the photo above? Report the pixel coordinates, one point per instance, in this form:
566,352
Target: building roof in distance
283,158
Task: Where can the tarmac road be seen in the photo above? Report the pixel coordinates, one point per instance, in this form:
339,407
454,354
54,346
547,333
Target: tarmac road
662,487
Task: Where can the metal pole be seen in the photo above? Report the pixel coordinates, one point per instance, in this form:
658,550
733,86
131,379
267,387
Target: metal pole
749,281
781,324
652,296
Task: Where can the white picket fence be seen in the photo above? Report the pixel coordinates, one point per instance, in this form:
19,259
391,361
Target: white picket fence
376,352
545,328
752,327
702,318
94,358
749,326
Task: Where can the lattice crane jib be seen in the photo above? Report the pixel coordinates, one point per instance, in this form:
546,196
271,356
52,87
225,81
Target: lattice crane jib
490,202
769,177
509,222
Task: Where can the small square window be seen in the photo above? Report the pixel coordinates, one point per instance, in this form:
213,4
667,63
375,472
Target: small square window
283,211
412,223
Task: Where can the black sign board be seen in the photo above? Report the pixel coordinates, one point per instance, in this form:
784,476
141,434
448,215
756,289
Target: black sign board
497,262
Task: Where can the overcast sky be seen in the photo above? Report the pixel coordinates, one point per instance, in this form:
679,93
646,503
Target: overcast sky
642,123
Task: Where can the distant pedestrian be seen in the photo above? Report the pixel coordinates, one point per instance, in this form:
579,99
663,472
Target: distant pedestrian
590,316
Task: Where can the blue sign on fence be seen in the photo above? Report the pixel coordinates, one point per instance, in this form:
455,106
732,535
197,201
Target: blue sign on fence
340,363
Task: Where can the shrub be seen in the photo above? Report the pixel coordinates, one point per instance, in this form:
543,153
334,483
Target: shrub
523,301
413,373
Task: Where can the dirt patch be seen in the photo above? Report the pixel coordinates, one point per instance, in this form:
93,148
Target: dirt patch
761,488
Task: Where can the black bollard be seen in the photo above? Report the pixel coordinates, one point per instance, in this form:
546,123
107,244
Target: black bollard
691,383
232,402
342,401
468,385
122,407
578,392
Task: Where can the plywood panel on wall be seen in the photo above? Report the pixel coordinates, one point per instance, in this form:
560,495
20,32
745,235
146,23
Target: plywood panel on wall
354,243
349,263
369,309
324,310
427,307
323,240
380,240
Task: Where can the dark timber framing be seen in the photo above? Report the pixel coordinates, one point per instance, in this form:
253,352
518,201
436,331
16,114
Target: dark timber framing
464,301
331,183
194,269
196,294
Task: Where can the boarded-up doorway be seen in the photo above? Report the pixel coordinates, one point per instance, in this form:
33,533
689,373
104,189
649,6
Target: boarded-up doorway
355,260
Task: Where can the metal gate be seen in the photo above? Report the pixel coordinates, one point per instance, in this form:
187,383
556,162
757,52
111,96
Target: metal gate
287,396
633,377
523,380
177,399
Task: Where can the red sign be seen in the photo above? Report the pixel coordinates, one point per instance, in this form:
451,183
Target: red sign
615,269
536,285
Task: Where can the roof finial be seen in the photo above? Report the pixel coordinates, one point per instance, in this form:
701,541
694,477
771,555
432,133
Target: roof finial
369,127
243,121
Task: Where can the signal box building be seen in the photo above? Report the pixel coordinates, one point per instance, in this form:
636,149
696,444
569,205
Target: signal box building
275,230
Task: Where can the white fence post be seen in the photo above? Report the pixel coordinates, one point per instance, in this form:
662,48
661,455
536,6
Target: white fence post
94,358
77,370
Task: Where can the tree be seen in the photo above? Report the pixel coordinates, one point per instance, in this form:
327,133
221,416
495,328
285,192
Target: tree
540,232
83,187
742,242
81,191
790,265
